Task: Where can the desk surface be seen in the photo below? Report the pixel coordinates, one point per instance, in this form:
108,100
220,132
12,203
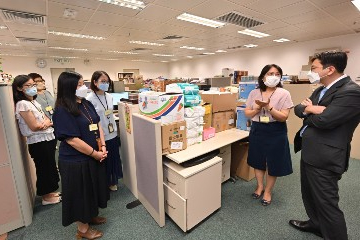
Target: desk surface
221,139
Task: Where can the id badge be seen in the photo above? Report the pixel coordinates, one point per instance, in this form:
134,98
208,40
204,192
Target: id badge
111,127
49,108
108,112
264,119
93,127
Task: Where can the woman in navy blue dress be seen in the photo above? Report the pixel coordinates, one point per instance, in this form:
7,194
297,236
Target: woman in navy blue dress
81,154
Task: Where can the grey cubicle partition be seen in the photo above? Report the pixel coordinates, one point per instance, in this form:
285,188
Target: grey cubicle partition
149,170
17,190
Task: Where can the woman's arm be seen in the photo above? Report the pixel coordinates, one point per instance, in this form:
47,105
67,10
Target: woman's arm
85,148
34,125
102,140
279,115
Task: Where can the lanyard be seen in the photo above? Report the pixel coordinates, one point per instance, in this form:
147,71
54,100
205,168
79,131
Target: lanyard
107,106
88,117
40,110
269,98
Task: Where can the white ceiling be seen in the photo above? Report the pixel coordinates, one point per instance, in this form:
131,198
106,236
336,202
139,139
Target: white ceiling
297,20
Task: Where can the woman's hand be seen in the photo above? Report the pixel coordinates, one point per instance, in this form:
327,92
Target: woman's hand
262,104
99,155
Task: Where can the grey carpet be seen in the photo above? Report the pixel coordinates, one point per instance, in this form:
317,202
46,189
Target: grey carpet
240,217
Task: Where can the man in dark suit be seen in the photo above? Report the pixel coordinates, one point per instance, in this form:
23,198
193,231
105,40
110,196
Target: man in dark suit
330,115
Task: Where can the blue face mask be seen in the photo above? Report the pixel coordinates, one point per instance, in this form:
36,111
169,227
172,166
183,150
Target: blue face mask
103,86
31,91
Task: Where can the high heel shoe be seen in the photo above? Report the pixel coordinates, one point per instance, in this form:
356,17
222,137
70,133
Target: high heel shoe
265,202
45,202
257,196
97,220
89,234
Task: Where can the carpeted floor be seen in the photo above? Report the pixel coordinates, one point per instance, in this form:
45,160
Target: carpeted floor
240,217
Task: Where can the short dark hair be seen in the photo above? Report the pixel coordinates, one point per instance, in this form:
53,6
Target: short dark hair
66,98
95,77
336,59
35,75
18,82
265,69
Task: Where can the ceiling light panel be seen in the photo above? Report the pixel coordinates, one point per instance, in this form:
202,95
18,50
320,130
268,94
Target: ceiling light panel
146,43
133,4
70,49
250,45
356,4
163,55
76,35
131,53
64,57
208,53
200,20
3,27
253,33
281,40
221,51
193,48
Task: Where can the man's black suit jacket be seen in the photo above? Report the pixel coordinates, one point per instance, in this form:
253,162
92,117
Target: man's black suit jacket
326,141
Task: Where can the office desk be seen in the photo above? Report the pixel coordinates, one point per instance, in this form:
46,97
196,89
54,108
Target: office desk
221,139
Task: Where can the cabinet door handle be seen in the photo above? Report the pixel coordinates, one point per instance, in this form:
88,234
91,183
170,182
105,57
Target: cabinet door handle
169,205
170,181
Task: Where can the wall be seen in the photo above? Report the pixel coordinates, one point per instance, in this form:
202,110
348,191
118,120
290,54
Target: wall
289,56
25,65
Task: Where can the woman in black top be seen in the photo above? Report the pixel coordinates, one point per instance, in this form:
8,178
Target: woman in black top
81,154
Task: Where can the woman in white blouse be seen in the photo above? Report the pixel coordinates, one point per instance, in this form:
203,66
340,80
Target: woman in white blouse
37,128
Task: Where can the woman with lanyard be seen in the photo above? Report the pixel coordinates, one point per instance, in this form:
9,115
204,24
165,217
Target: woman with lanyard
103,104
268,106
37,128
81,156
44,97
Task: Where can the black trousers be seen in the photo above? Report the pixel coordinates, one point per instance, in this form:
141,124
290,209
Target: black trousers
43,154
320,194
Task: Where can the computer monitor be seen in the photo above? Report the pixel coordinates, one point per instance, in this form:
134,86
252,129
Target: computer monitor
119,86
117,97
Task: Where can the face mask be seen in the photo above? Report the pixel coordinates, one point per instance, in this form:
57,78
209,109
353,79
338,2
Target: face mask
81,92
31,91
314,77
272,81
103,86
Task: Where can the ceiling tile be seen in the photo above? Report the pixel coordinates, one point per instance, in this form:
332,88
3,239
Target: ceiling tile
98,30
57,10
36,6
151,13
111,19
182,5
90,4
271,5
306,17
289,11
66,24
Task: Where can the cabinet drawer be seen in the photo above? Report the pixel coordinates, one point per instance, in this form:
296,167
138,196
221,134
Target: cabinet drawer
174,181
175,207
225,150
225,174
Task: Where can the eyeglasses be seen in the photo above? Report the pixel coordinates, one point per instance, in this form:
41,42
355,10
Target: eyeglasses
104,81
39,81
30,85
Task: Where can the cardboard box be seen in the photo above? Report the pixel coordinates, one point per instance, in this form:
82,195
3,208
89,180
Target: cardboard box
220,101
222,121
239,166
162,106
173,137
208,115
208,133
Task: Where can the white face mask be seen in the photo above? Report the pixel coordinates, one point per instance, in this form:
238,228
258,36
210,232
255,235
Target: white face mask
314,77
81,92
272,81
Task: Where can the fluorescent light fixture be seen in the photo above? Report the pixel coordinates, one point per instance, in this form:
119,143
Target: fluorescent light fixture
11,44
208,53
14,55
64,57
193,48
250,45
174,59
221,51
163,55
133,4
108,59
199,20
281,40
70,49
3,27
356,4
76,35
139,60
189,56
164,61
146,43
132,53
253,33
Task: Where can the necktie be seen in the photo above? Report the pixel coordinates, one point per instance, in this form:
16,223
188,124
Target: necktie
322,93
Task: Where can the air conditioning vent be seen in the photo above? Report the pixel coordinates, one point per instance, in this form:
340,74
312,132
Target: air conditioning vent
172,38
23,17
240,20
140,49
236,47
31,41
